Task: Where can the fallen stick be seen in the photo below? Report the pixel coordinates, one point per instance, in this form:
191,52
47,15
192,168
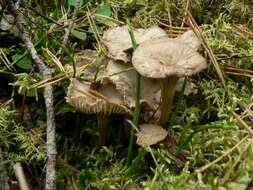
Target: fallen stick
23,185
48,96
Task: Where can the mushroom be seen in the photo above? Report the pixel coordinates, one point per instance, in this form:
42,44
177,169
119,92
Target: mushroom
167,60
118,41
123,77
102,100
90,64
190,39
150,134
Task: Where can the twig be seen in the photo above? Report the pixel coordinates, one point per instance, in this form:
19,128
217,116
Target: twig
68,31
243,124
3,174
244,30
185,10
21,177
45,17
203,168
209,51
48,96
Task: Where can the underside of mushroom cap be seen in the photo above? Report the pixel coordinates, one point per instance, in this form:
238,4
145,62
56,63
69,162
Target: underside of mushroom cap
161,58
118,40
90,101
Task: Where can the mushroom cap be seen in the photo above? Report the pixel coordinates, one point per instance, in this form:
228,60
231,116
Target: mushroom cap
90,63
150,134
123,77
190,39
118,40
164,57
82,97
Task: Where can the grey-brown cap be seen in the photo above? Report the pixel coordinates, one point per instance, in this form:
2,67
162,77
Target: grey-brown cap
118,40
161,58
189,38
123,77
82,97
150,134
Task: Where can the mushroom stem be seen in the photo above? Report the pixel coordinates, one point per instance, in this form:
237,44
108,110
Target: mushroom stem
102,128
168,91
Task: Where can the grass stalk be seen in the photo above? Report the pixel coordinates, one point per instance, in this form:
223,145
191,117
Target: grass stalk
137,100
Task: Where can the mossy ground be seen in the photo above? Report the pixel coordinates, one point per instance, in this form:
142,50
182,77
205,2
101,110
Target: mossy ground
226,25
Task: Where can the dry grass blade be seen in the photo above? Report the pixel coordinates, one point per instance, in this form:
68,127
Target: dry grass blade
5,60
238,71
243,30
195,28
203,168
240,74
248,111
172,31
54,59
186,7
95,30
179,29
237,161
243,123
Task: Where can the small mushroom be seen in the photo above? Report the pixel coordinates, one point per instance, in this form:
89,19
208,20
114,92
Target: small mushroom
167,60
118,40
87,100
150,134
123,76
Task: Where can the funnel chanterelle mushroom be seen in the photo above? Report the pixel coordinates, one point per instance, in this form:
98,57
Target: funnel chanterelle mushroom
118,40
103,101
167,60
150,134
123,77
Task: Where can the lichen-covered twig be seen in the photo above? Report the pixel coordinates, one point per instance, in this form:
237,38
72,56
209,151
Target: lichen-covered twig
3,173
68,30
23,185
48,95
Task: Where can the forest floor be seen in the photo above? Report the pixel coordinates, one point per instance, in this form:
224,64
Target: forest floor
212,122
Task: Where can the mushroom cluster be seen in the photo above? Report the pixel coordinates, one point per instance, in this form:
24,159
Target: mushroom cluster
160,60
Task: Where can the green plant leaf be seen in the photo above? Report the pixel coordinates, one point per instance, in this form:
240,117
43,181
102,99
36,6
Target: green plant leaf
95,29
200,129
79,35
73,3
24,62
105,10
32,92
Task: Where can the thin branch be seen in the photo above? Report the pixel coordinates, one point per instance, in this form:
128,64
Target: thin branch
48,95
196,30
23,185
68,31
3,173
